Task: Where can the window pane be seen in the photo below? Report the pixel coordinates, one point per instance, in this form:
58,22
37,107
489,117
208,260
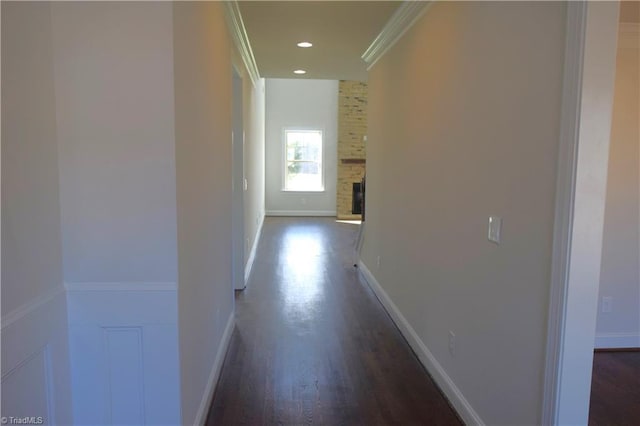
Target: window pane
304,160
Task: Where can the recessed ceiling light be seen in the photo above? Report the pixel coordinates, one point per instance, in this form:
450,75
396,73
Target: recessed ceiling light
299,72
305,44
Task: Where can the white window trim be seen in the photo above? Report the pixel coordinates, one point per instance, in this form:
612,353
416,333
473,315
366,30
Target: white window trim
283,157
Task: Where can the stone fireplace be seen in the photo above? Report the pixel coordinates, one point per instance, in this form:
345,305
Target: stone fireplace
352,130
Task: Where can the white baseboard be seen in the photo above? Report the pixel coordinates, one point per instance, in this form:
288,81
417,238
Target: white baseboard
214,375
617,340
331,213
252,254
120,286
455,396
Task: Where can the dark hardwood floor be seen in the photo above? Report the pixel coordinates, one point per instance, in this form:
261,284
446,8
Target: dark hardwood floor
615,389
312,344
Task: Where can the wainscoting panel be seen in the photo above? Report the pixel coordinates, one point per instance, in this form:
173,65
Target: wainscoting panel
124,353
35,361
125,374
36,398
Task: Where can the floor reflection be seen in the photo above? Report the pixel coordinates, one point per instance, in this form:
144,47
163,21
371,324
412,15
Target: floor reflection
313,346
302,265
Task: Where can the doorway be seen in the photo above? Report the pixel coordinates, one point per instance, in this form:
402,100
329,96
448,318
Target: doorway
580,198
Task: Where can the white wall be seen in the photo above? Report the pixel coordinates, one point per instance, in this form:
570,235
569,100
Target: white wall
254,166
203,100
464,115
35,360
253,122
113,65
619,275
300,103
143,190
237,183
114,96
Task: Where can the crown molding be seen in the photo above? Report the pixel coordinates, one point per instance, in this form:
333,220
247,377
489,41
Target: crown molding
403,18
628,35
240,38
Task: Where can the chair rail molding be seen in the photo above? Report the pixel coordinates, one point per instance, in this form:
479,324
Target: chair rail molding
31,306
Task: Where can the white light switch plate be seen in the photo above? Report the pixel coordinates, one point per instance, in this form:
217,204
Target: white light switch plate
495,228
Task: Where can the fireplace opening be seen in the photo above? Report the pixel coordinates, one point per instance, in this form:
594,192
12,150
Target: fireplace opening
356,198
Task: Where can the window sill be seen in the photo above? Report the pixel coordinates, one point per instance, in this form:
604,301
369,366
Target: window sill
303,191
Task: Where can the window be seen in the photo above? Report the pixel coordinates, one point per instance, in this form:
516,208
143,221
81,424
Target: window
303,160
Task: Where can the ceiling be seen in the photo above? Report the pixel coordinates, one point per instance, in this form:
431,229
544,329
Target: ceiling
340,32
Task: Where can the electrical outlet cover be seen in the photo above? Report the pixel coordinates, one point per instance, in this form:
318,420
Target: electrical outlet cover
495,229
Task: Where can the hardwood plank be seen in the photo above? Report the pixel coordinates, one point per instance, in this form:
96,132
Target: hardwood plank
313,345
615,389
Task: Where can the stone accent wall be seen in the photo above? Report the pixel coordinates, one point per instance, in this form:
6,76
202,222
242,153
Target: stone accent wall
352,128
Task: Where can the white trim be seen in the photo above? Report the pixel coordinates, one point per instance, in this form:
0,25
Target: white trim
120,286
240,38
331,213
305,191
581,183
49,383
252,254
455,396
214,375
360,240
629,35
45,353
403,18
564,202
31,306
109,366
617,340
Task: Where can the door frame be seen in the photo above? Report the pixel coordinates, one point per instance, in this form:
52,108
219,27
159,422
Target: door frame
587,101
